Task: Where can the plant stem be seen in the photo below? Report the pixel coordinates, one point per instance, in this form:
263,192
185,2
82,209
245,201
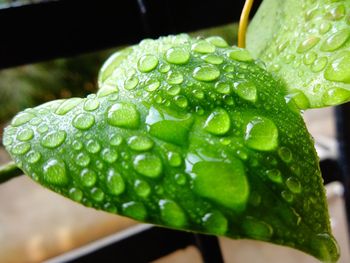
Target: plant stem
9,171
243,23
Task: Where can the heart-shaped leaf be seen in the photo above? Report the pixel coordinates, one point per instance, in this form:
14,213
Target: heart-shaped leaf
307,44
184,133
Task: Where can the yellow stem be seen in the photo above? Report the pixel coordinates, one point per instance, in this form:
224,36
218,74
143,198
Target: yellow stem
243,23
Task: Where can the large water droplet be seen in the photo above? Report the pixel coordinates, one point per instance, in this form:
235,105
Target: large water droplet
213,59
319,64
173,90
33,157
335,96
131,83
83,121
215,223
174,77
257,229
147,63
148,165
230,189
246,90
261,134
91,104
217,41
20,148
327,247
75,194
68,105
140,143
115,182
336,40
22,118
172,214
123,115
240,54
223,87
53,139
135,210
177,55
218,122
307,44
152,85
339,68
142,188
206,73
88,177
54,172
203,46
25,135
97,194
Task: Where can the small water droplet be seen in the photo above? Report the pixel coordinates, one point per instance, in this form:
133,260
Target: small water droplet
147,63
339,69
148,165
115,182
180,179
25,135
174,77
299,99
115,140
285,154
336,13
88,177
33,157
43,128
215,223
319,64
240,54
203,46
109,155
261,134
310,58
110,208
131,83
142,188
336,40
174,159
164,68
91,104
307,44
54,172
172,214
293,185
199,94
83,121
246,90
53,139
288,196
135,210
68,105
22,118
213,59
217,41
140,143
274,175
325,27
335,96
223,87
93,146
75,194
20,148
82,159
206,73
257,229
173,90
218,122
181,101
77,145
177,56
123,115
97,194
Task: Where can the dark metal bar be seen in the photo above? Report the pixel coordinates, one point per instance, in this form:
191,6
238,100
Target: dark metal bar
343,137
209,248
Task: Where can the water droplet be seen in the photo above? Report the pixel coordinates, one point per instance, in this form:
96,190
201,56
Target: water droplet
217,41
107,91
336,40
123,115
307,44
110,208
164,68
91,104
54,172
82,159
173,128
230,189
335,96
293,185
147,63
93,146
174,77
218,122
177,56
240,54
310,58
285,154
68,105
203,46
7,140
223,87
339,69
25,135
326,246
77,145
83,121
174,159
116,140
336,13
53,139
97,194
246,90
181,101
115,182
172,214
152,85
22,118
173,90
88,177
213,59
261,134
274,175
215,223
109,155
180,179
142,188
287,196
140,143
20,148
299,98
75,194
199,94
206,73
135,210
319,64
42,128
325,27
148,165
33,157
257,229
131,83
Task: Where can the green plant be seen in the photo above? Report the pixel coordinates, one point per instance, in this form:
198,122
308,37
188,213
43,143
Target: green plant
194,134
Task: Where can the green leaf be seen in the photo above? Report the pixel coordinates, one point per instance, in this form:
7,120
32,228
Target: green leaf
185,133
307,45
